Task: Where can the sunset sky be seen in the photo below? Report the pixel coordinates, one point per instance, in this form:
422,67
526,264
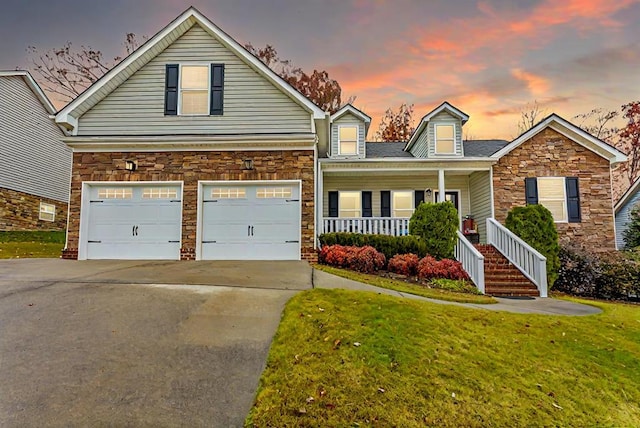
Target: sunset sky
489,58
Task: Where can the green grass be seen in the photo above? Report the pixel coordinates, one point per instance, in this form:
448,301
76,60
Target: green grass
27,244
423,364
449,295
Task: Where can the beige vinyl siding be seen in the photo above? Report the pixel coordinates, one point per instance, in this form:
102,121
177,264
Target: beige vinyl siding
251,103
425,146
378,183
348,119
480,195
33,158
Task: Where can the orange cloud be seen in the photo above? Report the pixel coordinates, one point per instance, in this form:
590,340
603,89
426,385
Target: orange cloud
538,86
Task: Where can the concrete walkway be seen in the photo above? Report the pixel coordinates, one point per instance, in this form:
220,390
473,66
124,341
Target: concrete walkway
545,306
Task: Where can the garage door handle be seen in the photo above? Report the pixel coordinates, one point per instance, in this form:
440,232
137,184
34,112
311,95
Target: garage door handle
251,230
133,231
248,230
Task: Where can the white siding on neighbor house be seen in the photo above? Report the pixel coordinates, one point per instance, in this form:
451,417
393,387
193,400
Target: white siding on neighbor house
348,119
425,145
395,182
623,217
480,196
33,158
252,104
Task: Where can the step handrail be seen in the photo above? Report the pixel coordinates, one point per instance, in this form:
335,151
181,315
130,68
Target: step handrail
527,259
472,261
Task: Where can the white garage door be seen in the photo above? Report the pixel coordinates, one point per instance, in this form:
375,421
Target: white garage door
251,222
134,222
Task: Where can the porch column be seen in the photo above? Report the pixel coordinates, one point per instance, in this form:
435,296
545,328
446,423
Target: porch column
319,203
441,186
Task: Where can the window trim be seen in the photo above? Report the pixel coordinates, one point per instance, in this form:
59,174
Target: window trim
564,196
40,212
435,139
358,208
411,202
357,141
180,74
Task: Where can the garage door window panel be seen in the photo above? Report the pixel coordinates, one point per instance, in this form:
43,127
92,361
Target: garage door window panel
228,193
274,192
116,193
159,193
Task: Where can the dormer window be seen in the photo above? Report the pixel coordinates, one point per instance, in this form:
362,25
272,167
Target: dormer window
445,139
348,140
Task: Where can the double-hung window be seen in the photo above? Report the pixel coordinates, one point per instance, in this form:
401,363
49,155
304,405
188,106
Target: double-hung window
445,139
194,89
47,212
403,203
560,195
349,205
348,140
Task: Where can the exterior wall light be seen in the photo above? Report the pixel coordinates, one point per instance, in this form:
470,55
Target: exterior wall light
130,165
248,164
428,192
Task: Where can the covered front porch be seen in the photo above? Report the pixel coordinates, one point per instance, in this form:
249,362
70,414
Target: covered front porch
382,200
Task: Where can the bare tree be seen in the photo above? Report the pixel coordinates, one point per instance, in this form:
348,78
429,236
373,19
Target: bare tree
599,123
321,89
66,72
396,126
530,115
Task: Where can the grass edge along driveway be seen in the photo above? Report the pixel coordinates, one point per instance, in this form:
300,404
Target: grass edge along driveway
348,358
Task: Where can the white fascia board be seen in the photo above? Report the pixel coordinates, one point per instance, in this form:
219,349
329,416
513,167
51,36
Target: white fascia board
425,120
416,135
570,131
627,195
64,116
33,85
354,111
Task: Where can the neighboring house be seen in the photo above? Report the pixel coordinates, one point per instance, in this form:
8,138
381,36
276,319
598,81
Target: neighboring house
623,208
191,148
35,164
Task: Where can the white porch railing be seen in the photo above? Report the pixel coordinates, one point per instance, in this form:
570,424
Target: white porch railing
472,260
368,225
530,262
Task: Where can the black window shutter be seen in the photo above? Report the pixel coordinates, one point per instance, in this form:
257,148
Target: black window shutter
333,204
171,90
367,206
385,203
573,199
217,89
419,197
531,190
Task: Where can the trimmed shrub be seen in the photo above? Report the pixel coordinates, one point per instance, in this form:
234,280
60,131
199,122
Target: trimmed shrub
404,264
429,268
387,245
632,234
436,226
362,259
611,275
535,225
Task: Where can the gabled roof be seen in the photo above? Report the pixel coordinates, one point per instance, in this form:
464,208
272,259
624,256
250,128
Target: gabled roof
425,120
154,46
631,191
33,85
570,131
348,108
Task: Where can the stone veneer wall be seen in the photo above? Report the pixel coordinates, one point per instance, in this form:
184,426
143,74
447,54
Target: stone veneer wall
21,211
550,154
190,167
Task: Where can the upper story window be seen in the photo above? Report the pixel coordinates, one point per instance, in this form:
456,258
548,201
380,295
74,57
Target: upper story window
194,89
348,140
445,139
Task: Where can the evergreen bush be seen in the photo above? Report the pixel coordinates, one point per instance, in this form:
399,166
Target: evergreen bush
535,225
632,234
436,225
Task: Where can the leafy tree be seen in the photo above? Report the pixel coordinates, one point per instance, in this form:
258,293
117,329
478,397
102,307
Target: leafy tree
436,225
324,91
632,234
629,141
67,71
396,126
535,225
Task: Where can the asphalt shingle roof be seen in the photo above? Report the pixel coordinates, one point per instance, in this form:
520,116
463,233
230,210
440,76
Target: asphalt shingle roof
472,149
482,148
387,150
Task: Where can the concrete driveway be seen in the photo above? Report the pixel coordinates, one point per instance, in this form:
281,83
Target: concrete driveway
111,343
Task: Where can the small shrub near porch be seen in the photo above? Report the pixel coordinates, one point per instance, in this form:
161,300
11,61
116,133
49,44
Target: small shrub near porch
436,225
361,259
534,225
386,244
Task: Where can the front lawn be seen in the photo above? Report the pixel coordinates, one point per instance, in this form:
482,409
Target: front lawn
405,287
27,244
348,358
